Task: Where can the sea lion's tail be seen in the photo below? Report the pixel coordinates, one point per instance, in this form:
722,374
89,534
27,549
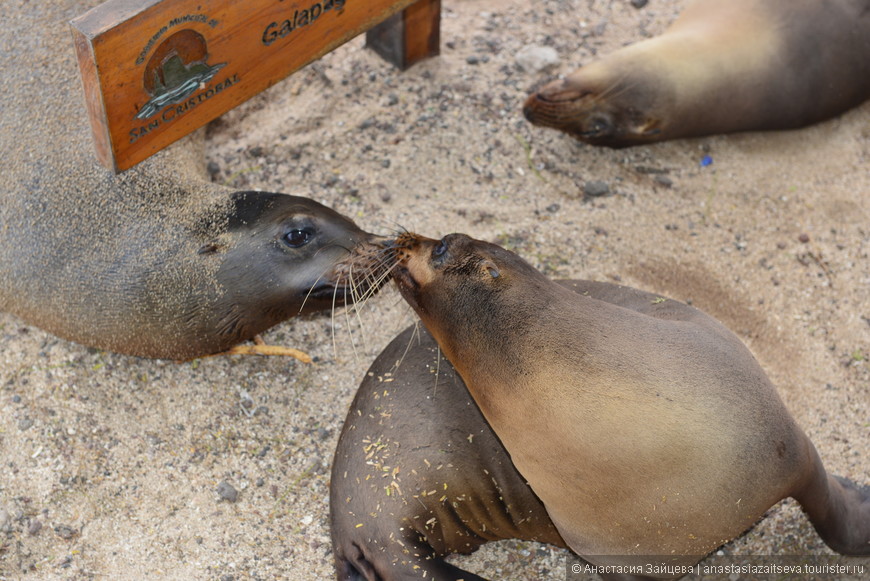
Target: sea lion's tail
839,510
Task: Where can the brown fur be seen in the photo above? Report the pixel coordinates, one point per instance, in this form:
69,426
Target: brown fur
157,261
722,67
645,426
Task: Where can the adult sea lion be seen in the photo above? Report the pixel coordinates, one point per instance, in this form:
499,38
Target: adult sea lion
646,428
158,261
722,67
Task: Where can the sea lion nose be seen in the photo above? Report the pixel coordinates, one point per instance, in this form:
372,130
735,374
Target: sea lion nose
440,248
529,108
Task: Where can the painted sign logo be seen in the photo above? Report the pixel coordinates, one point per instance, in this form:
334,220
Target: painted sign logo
176,70
177,76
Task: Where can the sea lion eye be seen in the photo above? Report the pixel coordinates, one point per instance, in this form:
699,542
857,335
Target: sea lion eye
440,249
297,237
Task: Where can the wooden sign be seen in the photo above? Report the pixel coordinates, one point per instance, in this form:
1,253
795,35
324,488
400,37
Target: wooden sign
155,70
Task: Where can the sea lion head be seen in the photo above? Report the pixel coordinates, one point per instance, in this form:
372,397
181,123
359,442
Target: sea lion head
466,291
283,255
599,110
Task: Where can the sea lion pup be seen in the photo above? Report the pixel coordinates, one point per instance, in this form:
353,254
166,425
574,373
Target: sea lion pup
646,428
418,474
722,67
157,261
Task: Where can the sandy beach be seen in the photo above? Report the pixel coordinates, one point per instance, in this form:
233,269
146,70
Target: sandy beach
115,467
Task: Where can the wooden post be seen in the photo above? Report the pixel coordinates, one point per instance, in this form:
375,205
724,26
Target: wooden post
155,70
408,36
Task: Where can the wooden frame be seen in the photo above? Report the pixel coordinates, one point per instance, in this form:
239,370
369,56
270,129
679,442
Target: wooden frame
409,36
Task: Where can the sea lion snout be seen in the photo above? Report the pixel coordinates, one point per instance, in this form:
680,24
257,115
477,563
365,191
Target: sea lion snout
360,274
571,108
546,105
409,256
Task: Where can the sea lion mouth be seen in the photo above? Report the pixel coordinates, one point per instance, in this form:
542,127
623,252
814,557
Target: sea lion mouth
362,273
401,251
568,110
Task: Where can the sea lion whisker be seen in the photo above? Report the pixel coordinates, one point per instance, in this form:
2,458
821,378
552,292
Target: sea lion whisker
374,277
437,370
311,290
397,228
616,88
376,280
415,334
357,306
332,322
347,321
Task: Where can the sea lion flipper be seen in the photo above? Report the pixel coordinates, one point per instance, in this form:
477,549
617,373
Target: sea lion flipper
839,510
261,348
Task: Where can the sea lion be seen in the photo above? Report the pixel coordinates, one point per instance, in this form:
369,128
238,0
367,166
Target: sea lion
646,428
157,261
418,474
722,67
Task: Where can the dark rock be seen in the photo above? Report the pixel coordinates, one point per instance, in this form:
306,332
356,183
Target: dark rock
596,189
226,492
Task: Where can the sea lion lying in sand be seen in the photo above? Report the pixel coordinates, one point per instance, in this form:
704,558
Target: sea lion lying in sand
157,261
722,67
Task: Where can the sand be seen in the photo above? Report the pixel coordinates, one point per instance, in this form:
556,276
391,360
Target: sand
111,465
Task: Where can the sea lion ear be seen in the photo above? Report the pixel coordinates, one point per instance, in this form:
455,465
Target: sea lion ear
651,127
490,268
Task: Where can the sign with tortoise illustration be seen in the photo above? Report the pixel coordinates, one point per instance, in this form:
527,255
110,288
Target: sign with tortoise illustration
155,70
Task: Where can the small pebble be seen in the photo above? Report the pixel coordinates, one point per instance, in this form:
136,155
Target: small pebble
5,522
553,208
16,399
804,238
25,424
34,527
596,189
65,532
639,3
226,492
663,181
473,60
535,59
